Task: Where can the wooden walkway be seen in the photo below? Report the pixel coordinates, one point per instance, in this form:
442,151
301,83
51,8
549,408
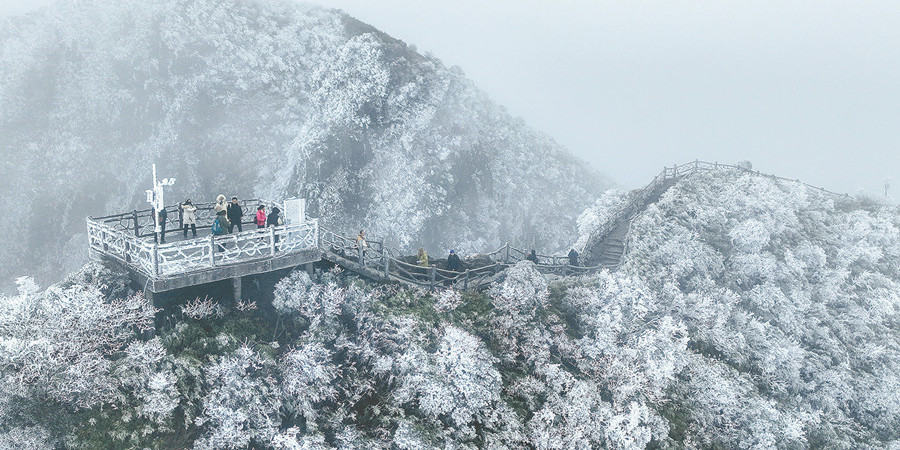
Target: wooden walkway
128,238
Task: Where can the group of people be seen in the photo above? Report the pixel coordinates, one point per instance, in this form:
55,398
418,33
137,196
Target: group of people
573,257
229,215
454,263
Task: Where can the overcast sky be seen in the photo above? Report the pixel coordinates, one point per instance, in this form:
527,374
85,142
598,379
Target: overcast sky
803,89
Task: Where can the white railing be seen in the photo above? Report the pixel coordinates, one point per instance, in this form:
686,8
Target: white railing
165,260
636,204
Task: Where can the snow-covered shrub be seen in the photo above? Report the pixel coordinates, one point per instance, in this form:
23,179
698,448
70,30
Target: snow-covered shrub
308,377
458,383
605,209
448,300
26,438
242,404
518,296
58,343
149,380
202,308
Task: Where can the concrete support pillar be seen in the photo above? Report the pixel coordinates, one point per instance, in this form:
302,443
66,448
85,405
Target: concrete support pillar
236,283
308,267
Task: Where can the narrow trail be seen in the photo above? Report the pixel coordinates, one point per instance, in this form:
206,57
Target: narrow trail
605,248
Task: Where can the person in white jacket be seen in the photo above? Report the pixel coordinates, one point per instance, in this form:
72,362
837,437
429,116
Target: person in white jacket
189,217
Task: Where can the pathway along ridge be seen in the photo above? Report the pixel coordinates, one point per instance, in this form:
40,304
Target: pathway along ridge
604,249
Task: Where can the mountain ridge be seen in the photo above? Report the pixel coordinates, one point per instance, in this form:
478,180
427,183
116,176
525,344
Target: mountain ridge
263,100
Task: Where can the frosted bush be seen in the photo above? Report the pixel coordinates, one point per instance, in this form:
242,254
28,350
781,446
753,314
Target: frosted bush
58,343
202,308
750,236
459,383
241,406
448,300
308,378
147,375
605,209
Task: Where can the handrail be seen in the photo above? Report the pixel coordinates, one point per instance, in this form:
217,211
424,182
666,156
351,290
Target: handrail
628,210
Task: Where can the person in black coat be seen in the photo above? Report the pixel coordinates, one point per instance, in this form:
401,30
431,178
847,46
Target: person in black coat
532,257
235,213
454,263
274,220
160,217
573,258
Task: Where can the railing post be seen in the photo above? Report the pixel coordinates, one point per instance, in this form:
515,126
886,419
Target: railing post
212,251
506,257
466,281
271,241
155,260
137,227
387,265
696,165
432,276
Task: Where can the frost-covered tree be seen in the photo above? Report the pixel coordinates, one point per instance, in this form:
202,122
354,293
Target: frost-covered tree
308,378
57,343
458,383
147,376
242,404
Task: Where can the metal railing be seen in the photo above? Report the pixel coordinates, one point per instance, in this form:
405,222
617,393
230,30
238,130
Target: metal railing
376,260
140,223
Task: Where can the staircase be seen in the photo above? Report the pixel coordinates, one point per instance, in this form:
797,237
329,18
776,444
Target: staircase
608,250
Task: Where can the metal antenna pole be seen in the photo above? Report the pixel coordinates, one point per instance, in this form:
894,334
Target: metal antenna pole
156,199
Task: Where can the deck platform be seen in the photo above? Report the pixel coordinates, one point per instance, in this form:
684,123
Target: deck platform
182,262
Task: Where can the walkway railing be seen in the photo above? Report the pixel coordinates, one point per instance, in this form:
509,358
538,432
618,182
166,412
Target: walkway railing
637,203
389,264
108,237
139,223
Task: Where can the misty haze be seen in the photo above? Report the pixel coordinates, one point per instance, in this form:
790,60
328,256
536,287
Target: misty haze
272,224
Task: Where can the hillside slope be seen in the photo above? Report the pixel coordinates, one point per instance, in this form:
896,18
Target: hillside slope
269,99
791,304
748,313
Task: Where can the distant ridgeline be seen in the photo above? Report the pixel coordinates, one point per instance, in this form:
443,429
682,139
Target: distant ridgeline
128,238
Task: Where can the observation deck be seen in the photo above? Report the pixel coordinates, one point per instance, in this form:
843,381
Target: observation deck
180,262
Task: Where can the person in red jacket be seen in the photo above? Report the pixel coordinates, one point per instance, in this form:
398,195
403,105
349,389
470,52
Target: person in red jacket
261,216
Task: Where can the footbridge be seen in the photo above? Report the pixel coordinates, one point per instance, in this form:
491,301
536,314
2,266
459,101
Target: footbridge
187,261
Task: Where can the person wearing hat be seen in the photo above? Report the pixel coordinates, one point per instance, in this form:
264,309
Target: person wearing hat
220,204
454,263
573,258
